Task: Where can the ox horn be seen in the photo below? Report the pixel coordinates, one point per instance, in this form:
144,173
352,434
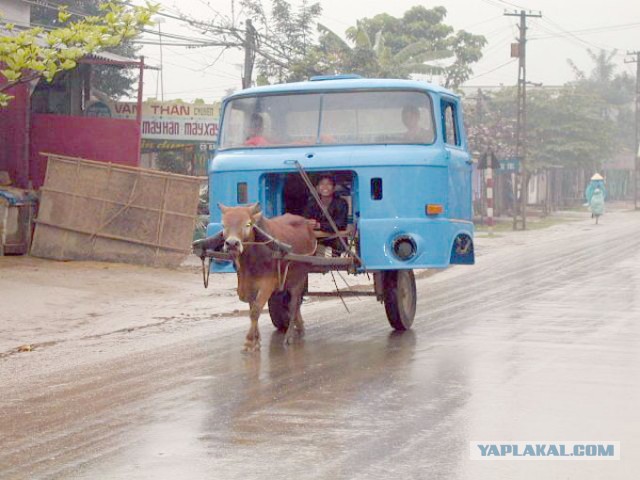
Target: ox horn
255,208
223,208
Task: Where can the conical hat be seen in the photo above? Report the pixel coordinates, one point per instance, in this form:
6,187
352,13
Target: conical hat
597,176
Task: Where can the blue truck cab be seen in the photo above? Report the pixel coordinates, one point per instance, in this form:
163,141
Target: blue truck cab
397,149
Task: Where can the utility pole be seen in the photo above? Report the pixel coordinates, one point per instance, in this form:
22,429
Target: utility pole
519,50
249,54
636,150
160,21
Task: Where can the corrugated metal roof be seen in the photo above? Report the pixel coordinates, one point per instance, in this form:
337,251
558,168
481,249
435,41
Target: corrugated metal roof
110,58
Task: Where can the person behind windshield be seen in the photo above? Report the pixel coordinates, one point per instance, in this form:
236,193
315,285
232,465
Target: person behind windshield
411,120
255,136
337,207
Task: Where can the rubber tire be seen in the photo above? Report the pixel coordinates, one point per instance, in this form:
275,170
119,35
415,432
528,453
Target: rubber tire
399,297
279,310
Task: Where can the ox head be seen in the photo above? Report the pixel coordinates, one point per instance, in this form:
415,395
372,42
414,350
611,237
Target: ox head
237,224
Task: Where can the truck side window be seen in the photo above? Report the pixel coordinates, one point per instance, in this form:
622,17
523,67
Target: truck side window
449,124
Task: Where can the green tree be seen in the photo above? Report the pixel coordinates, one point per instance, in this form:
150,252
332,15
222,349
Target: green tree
564,127
114,82
36,52
614,91
284,37
387,46
367,56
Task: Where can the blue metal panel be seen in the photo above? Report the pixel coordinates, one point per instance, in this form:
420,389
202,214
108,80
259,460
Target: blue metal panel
326,157
433,239
344,84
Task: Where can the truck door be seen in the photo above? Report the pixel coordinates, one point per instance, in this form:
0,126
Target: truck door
459,160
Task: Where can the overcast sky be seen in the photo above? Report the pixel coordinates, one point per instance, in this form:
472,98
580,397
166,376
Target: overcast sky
567,28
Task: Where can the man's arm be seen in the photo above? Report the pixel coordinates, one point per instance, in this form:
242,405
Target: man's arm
311,212
341,216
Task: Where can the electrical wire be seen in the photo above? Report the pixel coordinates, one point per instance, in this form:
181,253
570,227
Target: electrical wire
590,31
493,69
514,5
570,36
494,3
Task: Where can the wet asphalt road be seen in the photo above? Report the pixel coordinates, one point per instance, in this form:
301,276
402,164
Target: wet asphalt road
537,342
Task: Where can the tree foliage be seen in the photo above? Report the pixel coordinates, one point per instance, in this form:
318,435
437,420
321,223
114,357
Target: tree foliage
581,124
291,45
285,36
386,46
37,52
114,82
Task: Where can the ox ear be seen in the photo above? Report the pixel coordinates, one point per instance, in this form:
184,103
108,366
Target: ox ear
255,208
223,208
257,218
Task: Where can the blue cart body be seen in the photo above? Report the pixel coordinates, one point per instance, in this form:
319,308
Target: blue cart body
417,191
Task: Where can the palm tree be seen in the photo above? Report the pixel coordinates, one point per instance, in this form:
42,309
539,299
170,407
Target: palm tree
376,59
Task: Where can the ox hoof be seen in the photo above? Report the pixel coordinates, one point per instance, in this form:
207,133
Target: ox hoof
288,340
251,347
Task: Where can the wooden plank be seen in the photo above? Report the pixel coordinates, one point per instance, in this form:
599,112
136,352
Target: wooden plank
111,237
123,167
114,202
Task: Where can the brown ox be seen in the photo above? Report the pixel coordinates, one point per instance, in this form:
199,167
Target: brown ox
259,274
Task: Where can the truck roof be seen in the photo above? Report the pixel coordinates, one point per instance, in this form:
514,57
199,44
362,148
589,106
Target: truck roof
323,84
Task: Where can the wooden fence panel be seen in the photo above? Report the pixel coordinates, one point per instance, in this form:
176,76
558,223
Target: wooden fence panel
107,212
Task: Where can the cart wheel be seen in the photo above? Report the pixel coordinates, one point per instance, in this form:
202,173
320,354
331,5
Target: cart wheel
279,310
399,298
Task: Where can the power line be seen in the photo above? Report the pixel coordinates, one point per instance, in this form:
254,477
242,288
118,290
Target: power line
592,30
482,22
209,65
504,39
569,35
514,5
493,69
494,3
214,88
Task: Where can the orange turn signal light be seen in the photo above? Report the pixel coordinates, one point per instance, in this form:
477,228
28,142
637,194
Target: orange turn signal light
434,209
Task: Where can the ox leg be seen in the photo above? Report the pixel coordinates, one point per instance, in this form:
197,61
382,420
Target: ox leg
299,323
252,342
295,321
244,289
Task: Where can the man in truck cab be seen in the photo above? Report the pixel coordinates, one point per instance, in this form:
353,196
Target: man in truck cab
337,207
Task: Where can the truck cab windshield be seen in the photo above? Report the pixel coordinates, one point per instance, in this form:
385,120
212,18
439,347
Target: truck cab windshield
328,118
